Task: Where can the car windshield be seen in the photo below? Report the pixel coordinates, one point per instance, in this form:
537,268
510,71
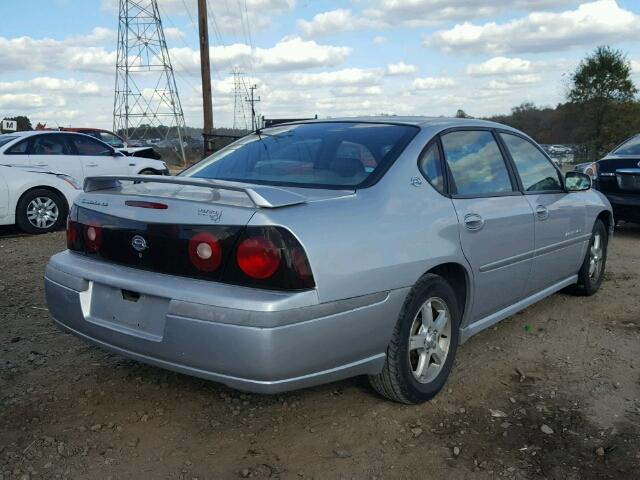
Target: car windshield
4,139
630,147
324,154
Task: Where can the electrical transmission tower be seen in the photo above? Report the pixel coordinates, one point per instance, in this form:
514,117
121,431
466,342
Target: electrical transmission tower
146,95
239,94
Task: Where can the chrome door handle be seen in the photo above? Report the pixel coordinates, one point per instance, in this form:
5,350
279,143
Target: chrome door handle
542,212
42,164
473,221
92,164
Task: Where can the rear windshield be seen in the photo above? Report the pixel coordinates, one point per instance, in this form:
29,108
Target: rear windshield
4,139
630,147
327,155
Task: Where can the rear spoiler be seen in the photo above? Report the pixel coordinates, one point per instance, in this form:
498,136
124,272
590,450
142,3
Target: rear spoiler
262,196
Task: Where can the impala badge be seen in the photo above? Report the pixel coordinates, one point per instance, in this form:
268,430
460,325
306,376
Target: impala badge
139,244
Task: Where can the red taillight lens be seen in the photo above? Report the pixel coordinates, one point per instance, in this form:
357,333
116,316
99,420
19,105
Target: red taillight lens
258,257
92,237
301,264
72,234
205,252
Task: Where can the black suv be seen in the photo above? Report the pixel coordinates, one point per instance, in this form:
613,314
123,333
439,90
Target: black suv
618,177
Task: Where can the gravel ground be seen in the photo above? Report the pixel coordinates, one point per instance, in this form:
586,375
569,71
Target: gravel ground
553,392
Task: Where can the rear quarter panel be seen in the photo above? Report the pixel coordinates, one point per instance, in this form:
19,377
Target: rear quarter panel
380,238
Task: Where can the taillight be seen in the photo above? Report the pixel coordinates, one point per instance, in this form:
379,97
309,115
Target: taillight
301,264
205,252
92,237
269,257
72,233
258,257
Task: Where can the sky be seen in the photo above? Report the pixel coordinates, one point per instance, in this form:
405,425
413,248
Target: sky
330,58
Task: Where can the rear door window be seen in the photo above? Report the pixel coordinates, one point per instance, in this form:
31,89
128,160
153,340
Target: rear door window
536,171
431,167
476,163
50,145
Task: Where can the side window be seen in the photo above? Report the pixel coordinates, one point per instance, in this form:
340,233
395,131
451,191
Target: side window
111,140
476,163
536,172
431,167
19,148
89,146
50,145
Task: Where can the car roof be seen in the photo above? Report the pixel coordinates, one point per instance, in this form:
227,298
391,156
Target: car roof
418,121
31,133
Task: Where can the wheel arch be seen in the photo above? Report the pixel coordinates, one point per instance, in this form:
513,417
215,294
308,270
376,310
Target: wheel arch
62,196
459,278
607,218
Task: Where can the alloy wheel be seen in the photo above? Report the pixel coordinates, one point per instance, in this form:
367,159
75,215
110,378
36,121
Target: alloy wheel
429,340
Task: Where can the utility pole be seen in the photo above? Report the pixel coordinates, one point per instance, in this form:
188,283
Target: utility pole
205,68
252,101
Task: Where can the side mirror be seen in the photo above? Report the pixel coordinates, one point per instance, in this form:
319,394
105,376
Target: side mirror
577,182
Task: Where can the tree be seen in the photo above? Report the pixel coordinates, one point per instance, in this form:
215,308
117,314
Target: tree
601,82
22,123
461,114
604,76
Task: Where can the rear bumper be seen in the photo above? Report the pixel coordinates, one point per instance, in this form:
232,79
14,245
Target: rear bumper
626,206
259,341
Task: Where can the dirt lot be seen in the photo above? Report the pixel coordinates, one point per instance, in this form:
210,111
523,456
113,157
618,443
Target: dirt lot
69,410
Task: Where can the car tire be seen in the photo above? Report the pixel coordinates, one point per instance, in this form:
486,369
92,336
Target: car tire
406,376
148,171
40,211
589,280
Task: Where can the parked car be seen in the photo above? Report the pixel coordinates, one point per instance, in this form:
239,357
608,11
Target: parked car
36,200
617,175
130,149
310,252
74,154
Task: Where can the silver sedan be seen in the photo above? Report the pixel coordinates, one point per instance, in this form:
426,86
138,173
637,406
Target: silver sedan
315,251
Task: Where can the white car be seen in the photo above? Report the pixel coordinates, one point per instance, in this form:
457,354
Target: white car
35,199
74,154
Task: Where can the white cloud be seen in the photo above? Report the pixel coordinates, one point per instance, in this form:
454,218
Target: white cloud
51,85
173,33
290,53
514,81
47,55
349,76
499,66
401,68
432,83
415,13
379,40
589,24
333,21
294,53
